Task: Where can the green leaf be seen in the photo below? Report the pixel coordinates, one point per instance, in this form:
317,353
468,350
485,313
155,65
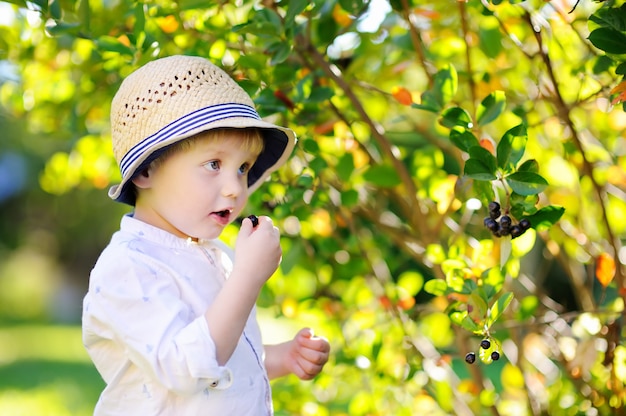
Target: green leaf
611,17
490,107
490,37
464,321
429,103
345,167
526,183
530,165
280,52
546,216
55,28
481,165
436,287
475,169
349,198
511,147
295,8
140,18
609,40
523,204
483,190
318,164
445,85
499,307
469,286
111,44
54,7
189,4
320,94
479,304
456,116
382,175
463,139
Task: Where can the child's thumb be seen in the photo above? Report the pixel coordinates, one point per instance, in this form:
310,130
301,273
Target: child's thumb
246,227
306,333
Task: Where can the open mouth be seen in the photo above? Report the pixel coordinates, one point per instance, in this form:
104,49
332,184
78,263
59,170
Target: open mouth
225,213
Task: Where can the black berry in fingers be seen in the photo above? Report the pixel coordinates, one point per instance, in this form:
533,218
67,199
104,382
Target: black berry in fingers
254,219
485,344
470,358
495,356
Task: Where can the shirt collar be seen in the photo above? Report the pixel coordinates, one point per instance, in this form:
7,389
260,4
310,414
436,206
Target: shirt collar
149,232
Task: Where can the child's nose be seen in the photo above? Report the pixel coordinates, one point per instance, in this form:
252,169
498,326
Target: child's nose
232,185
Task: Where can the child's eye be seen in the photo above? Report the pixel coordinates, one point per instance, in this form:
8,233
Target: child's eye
243,169
212,165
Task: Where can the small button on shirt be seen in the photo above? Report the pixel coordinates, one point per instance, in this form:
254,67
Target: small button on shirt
144,329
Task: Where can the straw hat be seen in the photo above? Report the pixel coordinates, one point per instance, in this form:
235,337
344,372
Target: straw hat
173,98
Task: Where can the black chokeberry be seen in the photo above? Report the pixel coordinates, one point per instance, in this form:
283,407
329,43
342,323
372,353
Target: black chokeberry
494,210
495,356
485,344
470,358
505,221
524,224
254,219
491,224
516,231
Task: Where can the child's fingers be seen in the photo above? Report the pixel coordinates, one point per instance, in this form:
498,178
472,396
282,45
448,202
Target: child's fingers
312,342
315,356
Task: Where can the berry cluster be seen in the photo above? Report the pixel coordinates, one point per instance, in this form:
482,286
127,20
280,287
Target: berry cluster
505,226
485,344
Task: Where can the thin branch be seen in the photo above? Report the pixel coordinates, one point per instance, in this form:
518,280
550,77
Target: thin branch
416,217
563,111
416,39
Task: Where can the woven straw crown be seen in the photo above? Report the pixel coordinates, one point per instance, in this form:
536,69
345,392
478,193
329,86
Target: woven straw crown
173,98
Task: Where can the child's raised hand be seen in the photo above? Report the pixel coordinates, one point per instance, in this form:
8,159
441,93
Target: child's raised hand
257,250
307,354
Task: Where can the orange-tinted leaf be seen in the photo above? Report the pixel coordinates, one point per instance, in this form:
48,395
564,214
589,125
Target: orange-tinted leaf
283,97
124,40
621,97
621,87
406,303
487,144
341,17
429,14
168,24
620,90
325,127
402,95
605,269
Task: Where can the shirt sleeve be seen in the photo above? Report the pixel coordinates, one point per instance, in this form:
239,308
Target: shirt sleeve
136,302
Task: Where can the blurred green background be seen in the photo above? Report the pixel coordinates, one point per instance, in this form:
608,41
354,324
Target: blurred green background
385,250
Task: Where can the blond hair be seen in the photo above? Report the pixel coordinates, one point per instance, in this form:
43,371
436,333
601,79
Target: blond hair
250,139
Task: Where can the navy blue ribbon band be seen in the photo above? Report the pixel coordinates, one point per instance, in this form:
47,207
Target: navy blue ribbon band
184,125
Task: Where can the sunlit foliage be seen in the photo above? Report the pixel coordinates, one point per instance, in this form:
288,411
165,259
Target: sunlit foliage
411,119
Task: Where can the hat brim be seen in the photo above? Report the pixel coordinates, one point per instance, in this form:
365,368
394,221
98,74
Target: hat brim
278,146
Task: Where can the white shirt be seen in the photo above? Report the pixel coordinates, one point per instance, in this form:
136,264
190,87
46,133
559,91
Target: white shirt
144,328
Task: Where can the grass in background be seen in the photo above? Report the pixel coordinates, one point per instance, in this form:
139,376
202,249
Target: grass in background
45,371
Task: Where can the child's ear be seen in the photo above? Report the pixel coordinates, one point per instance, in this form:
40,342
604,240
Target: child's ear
143,180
